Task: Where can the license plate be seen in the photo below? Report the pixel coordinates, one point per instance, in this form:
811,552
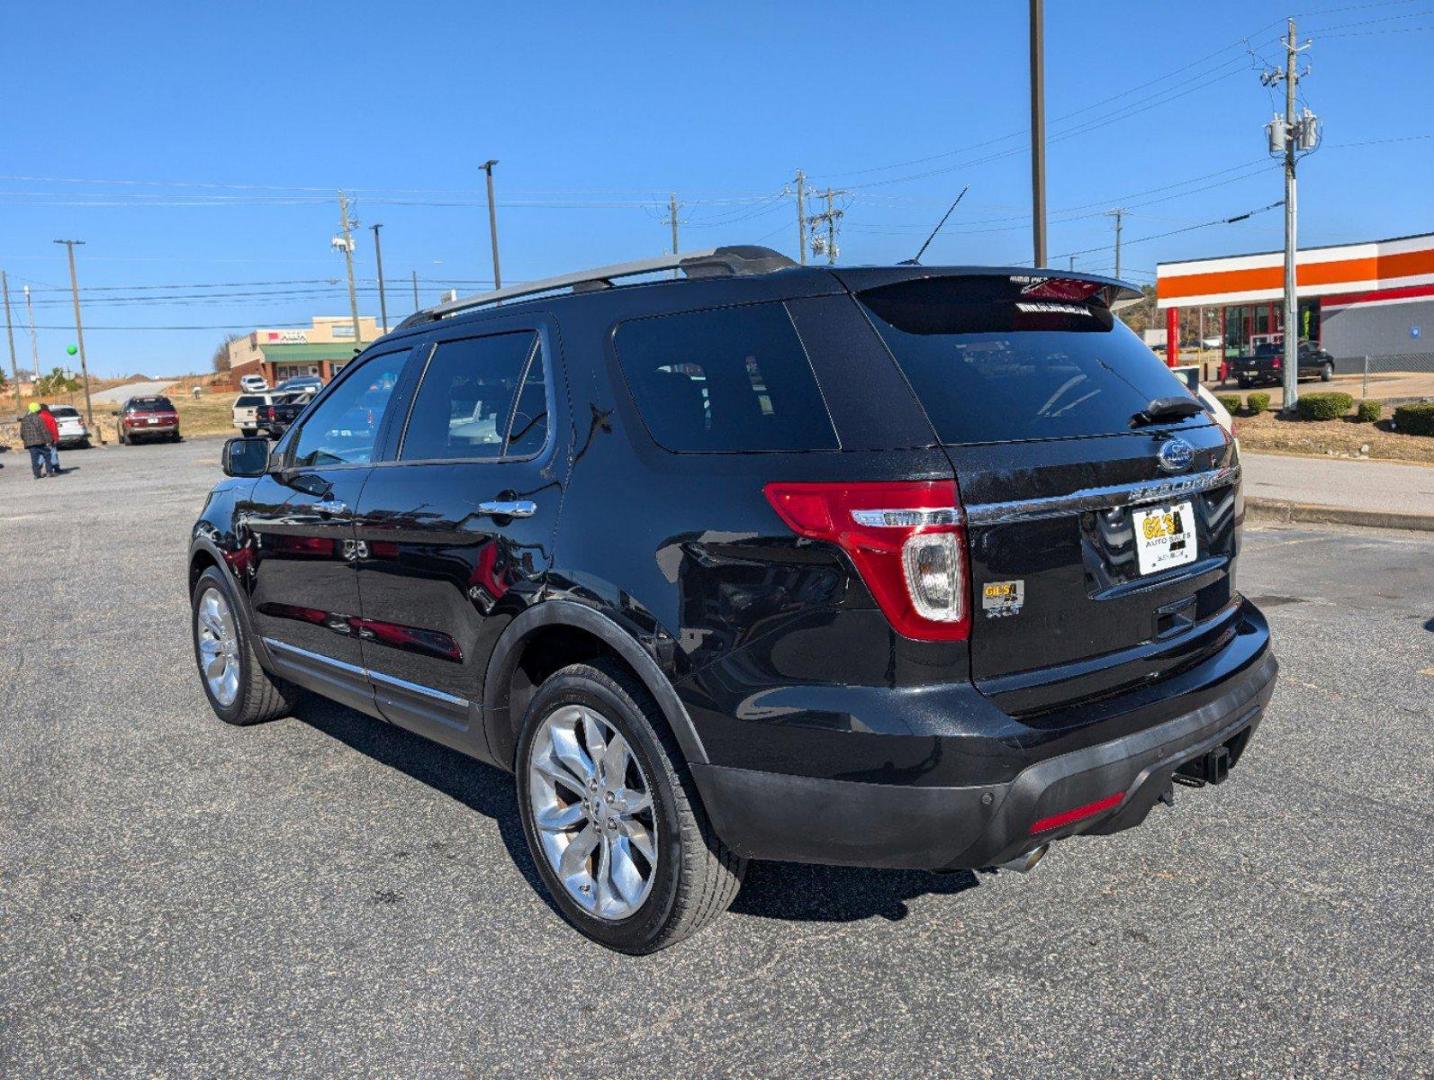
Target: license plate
1164,537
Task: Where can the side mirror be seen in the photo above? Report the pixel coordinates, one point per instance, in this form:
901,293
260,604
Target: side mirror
245,457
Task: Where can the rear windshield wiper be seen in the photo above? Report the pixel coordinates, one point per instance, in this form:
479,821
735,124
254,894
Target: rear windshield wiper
1176,407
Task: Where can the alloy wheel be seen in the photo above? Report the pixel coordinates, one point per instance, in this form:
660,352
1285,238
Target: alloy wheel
218,644
592,811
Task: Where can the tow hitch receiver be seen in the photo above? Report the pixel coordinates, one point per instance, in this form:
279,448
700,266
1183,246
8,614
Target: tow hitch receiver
1211,768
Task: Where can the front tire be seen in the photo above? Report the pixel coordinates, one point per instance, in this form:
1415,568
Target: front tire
1326,372
611,814
239,690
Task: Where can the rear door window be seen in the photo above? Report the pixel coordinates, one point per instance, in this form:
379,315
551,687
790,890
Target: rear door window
474,393
726,379
992,361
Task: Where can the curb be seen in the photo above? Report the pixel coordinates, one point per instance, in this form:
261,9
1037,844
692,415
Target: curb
1280,510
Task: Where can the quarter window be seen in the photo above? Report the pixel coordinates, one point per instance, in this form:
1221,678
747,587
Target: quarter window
728,379
475,396
343,428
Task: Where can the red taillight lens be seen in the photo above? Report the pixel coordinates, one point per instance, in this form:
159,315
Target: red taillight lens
1080,813
906,540
1277,363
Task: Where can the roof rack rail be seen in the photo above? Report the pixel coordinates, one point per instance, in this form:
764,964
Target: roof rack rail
712,262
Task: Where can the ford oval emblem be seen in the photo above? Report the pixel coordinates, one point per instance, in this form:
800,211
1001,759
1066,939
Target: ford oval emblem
1176,455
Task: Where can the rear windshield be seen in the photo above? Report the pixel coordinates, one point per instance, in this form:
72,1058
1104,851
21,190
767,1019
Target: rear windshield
725,380
247,400
151,404
994,361
63,412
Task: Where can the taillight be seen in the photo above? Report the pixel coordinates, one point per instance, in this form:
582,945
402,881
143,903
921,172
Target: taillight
906,539
1277,363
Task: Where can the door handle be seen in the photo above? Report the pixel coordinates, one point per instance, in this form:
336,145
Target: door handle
330,507
518,508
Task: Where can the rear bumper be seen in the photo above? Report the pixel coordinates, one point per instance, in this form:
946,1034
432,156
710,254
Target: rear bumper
765,815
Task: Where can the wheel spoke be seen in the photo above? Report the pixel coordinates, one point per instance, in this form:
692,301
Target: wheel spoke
605,890
593,736
633,802
575,855
560,775
614,761
567,751
638,835
560,819
215,666
626,877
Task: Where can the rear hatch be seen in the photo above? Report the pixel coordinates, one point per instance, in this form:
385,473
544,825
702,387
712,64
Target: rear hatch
1101,543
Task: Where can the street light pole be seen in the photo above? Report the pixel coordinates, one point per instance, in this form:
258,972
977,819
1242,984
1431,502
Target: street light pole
1038,131
80,333
487,167
378,258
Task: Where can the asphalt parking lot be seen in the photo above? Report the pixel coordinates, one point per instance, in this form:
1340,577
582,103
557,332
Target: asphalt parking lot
325,895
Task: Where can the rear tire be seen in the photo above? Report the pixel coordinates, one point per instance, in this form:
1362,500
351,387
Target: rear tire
692,876
1244,383
1326,372
248,432
257,696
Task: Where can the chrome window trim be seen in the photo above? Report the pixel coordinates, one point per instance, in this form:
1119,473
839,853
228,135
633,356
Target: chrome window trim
1100,498
437,695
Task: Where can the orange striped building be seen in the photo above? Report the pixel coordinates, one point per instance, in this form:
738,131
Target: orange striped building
1371,299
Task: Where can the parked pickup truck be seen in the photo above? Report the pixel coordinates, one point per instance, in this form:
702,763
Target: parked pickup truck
279,415
246,412
1266,364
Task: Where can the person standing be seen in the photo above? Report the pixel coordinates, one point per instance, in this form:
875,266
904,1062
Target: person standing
54,427
36,436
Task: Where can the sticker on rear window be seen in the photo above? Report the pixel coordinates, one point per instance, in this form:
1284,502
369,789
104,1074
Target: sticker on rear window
1002,598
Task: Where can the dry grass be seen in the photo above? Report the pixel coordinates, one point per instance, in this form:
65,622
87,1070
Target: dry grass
208,414
1268,433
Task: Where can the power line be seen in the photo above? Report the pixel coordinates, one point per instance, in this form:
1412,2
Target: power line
1174,232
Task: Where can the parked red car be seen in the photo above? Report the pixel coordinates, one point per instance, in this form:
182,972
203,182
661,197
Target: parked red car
148,418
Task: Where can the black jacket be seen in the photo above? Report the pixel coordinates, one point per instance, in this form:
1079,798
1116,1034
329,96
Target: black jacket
33,431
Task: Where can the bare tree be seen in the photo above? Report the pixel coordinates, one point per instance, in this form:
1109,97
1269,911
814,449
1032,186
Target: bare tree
220,359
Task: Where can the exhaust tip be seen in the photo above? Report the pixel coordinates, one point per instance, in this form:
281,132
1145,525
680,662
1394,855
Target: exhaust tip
1024,864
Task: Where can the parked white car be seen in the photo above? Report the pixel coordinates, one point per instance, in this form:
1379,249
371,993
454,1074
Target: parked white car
246,409
73,432
253,384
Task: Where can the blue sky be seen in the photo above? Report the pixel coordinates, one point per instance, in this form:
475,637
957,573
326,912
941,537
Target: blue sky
197,149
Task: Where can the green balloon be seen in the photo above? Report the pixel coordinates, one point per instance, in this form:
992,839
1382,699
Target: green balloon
71,349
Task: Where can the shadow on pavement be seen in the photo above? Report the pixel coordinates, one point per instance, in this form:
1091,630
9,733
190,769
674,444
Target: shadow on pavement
477,786
839,893
772,890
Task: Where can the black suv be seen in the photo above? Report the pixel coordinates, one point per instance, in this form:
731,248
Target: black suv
890,566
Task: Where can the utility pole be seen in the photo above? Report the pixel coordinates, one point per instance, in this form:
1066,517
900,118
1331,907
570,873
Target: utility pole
672,219
1119,214
345,240
80,333
378,258
34,339
10,333
1038,131
416,305
829,217
801,217
487,167
1286,136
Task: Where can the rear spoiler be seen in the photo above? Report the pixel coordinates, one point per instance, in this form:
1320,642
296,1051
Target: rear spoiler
1037,284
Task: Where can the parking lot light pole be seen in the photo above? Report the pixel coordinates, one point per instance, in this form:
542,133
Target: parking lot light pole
80,336
1038,132
378,258
487,167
